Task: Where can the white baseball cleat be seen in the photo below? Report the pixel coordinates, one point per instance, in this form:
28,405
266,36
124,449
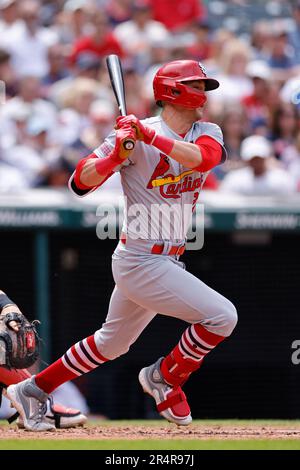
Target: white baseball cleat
31,403
60,416
170,401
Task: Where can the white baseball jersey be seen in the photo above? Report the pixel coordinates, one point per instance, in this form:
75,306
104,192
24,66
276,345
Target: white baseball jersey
160,192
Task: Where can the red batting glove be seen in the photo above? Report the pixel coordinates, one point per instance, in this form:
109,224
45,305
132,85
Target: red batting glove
144,133
120,153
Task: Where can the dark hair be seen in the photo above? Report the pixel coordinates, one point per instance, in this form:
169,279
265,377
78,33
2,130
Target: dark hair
278,113
4,56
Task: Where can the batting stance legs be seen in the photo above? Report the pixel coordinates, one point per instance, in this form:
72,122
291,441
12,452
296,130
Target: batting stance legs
146,285
160,284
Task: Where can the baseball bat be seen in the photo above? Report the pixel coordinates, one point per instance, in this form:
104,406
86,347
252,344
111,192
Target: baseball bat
114,68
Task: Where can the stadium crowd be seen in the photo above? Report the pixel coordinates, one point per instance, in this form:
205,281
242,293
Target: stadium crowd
57,104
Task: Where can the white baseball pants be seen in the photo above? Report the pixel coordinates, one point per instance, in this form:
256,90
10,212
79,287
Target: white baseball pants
148,284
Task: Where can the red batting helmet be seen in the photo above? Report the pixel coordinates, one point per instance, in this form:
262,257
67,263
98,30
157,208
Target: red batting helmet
168,83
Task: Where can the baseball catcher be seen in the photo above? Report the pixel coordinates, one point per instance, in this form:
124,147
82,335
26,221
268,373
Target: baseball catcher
173,154
19,350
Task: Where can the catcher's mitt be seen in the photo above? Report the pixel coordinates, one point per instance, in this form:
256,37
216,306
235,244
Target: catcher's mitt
19,341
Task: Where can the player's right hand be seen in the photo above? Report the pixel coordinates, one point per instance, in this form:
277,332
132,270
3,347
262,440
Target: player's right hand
144,133
122,135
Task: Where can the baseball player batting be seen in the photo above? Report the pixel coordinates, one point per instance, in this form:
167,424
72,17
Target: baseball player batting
172,156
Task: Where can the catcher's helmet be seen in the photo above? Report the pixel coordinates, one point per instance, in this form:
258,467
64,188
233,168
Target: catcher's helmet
168,83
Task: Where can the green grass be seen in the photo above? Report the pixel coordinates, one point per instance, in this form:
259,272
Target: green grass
150,445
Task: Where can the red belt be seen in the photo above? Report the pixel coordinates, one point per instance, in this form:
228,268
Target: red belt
174,250
158,248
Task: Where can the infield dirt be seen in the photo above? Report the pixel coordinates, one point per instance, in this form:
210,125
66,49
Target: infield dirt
110,431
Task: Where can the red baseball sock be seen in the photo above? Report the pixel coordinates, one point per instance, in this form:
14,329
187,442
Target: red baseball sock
79,359
195,343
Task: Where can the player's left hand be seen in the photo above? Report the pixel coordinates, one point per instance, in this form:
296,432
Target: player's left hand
144,133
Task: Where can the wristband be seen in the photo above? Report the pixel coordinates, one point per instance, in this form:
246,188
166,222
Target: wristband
163,143
106,165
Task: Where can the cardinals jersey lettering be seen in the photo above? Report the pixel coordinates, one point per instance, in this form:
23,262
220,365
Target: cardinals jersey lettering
158,186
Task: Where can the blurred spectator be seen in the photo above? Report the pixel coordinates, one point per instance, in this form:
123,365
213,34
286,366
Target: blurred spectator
159,54
294,36
9,17
7,74
13,125
179,14
291,159
87,66
285,127
201,48
261,39
102,115
29,162
219,41
100,43
57,67
80,96
12,180
235,128
280,54
234,82
76,101
35,156
234,125
118,11
136,99
256,104
29,97
137,34
260,126
29,43
273,99
259,177
292,152
73,22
